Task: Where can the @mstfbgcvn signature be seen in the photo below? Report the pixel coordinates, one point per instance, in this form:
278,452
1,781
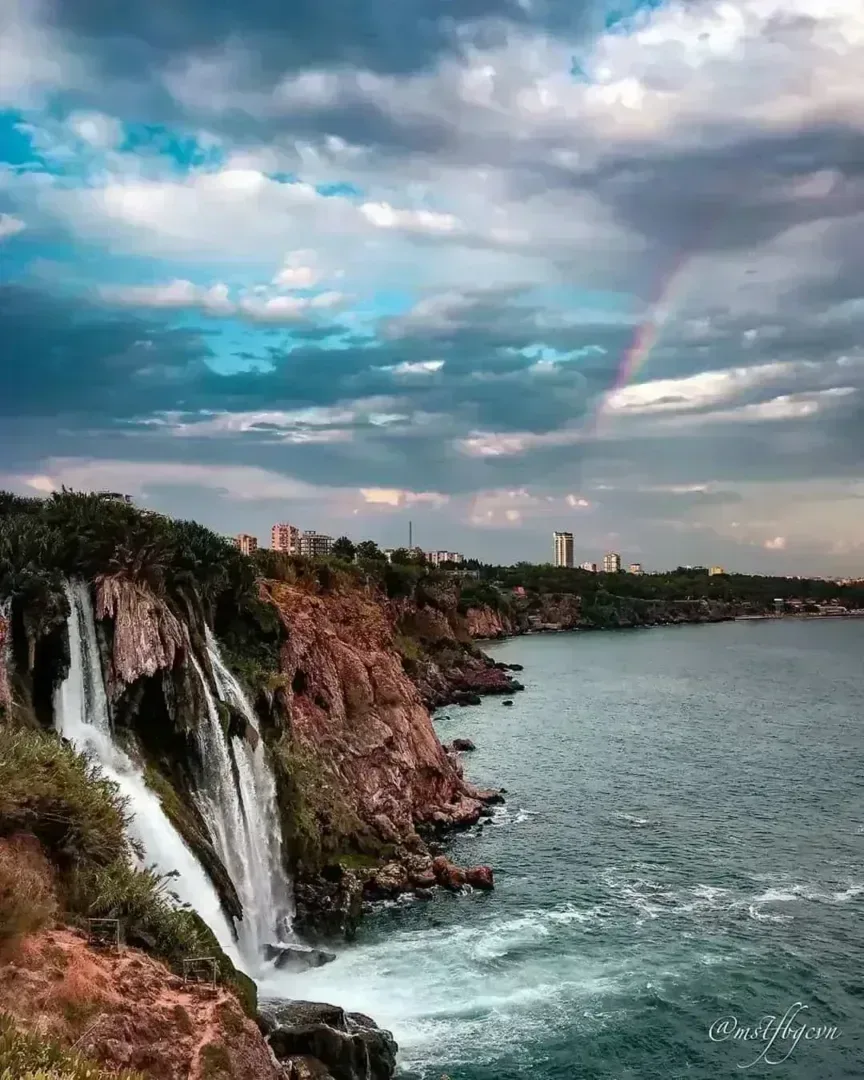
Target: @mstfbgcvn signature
775,1038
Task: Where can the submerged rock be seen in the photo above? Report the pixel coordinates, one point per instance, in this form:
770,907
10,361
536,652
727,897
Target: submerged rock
463,744
509,701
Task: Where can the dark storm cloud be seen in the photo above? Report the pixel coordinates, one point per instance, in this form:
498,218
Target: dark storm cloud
737,195
98,375
379,35
74,357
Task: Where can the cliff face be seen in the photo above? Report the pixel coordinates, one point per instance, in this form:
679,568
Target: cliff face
484,622
127,1010
354,710
5,691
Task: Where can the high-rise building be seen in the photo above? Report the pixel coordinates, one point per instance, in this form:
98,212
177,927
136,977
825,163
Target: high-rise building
563,548
436,558
635,568
285,537
247,543
611,563
313,543
591,567
715,571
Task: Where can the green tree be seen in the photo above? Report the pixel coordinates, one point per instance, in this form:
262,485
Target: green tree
368,549
344,548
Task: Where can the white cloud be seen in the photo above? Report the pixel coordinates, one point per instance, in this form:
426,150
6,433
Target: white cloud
385,216
10,226
416,367
396,497
297,277
33,60
777,544
312,425
216,300
702,390
100,131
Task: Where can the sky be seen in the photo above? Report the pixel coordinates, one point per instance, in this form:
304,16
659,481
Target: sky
497,267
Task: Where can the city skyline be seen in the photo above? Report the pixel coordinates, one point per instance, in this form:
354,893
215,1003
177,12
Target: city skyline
521,268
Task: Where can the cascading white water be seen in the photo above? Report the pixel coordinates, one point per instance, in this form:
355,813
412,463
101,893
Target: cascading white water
82,716
237,798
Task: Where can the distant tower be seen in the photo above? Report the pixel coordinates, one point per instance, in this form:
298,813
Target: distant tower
563,548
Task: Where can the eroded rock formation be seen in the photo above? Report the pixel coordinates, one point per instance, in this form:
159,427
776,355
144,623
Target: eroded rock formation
126,1010
147,636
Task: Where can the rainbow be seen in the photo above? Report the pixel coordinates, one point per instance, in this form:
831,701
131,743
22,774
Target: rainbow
646,335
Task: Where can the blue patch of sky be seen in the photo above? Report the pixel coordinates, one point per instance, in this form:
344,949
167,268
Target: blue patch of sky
15,146
341,189
185,152
622,13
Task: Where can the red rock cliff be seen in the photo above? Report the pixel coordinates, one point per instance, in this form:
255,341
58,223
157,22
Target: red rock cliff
127,1010
352,705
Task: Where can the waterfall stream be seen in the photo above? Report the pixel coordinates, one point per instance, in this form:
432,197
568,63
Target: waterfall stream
237,797
82,715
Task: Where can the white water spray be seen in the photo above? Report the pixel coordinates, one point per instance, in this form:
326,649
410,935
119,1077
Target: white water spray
82,716
237,798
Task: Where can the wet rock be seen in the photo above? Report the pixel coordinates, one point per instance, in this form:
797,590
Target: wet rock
349,1046
515,667
446,874
328,905
492,797
297,957
465,697
424,894
509,701
480,877
389,881
305,1068
424,881
461,745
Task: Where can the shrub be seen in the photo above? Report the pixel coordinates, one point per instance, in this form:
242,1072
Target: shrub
27,898
28,1057
51,791
55,793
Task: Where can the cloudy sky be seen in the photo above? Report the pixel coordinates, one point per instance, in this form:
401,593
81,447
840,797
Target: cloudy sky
495,266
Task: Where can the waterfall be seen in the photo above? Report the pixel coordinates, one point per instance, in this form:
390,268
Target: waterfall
82,716
237,797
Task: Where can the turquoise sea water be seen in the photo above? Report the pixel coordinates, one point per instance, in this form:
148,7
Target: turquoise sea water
683,843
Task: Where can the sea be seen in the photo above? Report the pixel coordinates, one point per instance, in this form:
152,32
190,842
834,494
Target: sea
679,868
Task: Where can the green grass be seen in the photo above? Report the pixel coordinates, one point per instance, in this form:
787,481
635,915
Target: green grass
52,792
28,1057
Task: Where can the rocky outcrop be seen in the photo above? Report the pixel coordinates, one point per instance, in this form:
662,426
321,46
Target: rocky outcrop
147,636
353,707
5,629
323,1041
128,1011
486,623
297,957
